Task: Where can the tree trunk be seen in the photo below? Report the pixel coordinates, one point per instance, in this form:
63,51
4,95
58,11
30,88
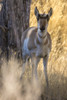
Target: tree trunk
15,19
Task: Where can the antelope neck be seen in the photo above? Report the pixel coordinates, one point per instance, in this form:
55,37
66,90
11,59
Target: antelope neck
42,36
41,39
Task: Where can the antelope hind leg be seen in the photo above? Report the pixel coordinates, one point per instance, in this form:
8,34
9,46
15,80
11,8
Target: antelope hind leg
23,69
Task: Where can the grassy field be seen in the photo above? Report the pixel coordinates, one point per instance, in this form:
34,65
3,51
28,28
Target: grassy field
11,88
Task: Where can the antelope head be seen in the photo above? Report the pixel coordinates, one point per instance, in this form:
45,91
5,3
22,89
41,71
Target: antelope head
42,19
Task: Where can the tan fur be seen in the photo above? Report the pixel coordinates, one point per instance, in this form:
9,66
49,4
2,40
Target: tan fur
32,36
49,39
42,22
25,33
31,43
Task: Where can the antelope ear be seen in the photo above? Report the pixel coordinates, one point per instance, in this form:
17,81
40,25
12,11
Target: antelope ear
50,12
36,12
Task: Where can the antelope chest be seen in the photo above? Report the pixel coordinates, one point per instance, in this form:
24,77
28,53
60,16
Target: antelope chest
42,51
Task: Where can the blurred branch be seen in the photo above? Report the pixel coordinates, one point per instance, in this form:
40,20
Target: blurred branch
4,28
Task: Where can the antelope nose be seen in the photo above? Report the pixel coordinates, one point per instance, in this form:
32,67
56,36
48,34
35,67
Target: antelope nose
42,28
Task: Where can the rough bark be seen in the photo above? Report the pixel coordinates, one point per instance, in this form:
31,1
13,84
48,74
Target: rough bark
15,17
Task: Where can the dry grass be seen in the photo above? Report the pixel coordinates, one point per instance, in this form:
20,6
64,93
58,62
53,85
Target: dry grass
12,88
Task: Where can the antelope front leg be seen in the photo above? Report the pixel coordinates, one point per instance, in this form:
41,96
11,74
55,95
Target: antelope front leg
35,62
45,69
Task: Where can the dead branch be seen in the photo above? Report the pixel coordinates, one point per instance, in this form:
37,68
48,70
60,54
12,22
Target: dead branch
4,28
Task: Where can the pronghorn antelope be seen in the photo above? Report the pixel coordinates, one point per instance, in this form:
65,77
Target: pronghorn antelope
36,43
